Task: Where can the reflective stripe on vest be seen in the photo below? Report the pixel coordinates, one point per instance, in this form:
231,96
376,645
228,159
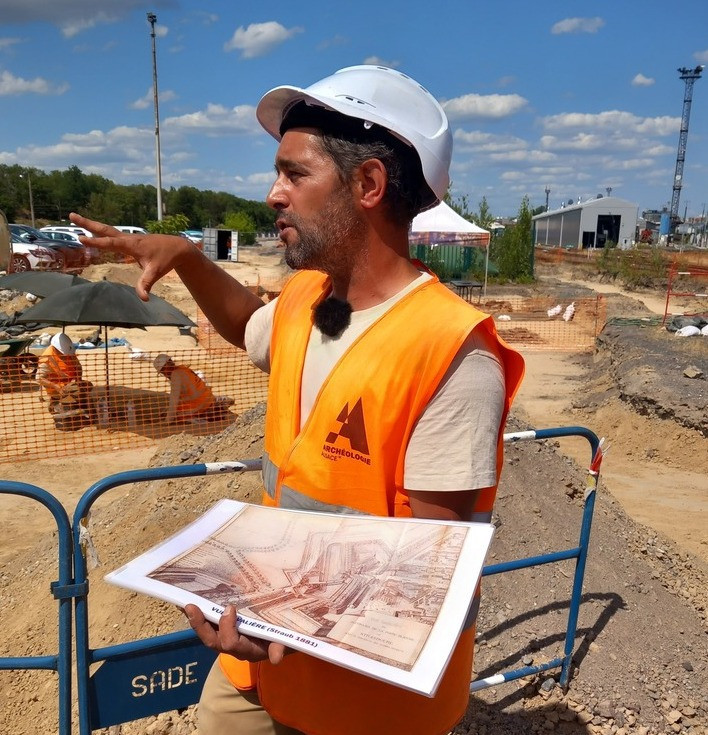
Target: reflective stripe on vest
349,457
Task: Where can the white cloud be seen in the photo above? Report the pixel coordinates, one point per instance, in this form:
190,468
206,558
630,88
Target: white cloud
481,142
641,81
337,40
629,164
578,25
6,43
260,179
71,28
259,38
147,99
95,148
522,156
701,56
10,84
613,120
378,61
490,106
217,120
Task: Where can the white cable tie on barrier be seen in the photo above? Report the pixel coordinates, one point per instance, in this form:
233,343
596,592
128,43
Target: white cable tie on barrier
488,681
216,468
87,545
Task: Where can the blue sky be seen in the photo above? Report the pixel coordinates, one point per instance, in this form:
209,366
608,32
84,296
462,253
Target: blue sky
572,96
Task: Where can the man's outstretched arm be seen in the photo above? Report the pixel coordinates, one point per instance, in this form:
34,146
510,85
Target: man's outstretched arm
226,303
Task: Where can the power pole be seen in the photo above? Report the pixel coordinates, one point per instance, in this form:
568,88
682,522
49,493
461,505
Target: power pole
548,191
152,19
31,198
689,76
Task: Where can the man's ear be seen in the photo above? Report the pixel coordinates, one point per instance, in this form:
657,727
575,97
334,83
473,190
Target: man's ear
370,181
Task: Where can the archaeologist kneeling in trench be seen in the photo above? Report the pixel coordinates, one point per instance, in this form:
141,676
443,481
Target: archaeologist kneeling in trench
190,397
60,374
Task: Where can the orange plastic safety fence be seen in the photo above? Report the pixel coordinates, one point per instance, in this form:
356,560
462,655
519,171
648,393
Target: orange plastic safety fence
124,406
546,323
689,284
266,288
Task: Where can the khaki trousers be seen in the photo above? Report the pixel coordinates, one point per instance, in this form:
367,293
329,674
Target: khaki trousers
225,710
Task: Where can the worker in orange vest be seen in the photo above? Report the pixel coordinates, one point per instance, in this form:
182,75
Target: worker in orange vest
60,374
387,394
190,396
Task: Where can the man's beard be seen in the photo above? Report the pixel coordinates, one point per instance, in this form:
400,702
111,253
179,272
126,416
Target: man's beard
328,241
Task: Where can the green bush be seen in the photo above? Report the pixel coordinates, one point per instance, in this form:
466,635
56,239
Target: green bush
512,251
170,225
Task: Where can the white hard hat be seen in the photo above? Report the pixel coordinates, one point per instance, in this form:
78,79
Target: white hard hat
382,96
160,361
63,343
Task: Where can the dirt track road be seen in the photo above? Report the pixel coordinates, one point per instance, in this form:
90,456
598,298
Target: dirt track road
653,466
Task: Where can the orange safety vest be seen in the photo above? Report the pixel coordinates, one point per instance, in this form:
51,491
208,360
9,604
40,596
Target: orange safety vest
64,369
349,458
199,395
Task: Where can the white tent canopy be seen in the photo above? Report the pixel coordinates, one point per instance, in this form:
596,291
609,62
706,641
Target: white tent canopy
442,224
444,219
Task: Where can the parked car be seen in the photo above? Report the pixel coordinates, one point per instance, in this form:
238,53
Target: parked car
91,255
73,229
195,236
71,256
27,256
131,229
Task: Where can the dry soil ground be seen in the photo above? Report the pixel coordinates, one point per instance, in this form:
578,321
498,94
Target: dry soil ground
641,663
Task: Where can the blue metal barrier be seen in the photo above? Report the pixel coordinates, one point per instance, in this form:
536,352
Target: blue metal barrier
144,677
164,673
579,553
63,590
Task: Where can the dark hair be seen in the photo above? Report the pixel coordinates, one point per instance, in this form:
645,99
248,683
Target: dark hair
348,142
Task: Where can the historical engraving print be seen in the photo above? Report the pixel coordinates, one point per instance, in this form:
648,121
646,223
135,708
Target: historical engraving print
331,579
387,597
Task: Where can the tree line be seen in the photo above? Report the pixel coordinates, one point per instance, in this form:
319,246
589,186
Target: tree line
56,193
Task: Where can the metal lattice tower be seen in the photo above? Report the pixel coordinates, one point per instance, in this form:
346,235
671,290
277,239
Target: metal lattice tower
689,76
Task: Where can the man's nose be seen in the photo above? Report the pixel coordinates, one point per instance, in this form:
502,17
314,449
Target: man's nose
276,198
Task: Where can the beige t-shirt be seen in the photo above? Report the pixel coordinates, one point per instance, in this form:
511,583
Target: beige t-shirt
454,443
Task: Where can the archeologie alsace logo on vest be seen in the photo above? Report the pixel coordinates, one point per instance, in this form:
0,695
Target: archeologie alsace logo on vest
349,440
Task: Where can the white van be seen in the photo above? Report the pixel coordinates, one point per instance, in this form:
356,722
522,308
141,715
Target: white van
131,230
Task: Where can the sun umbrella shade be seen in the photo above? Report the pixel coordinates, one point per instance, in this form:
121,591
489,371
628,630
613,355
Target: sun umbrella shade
41,283
105,304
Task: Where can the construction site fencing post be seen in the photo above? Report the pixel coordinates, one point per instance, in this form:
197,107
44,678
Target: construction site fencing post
579,553
63,589
143,677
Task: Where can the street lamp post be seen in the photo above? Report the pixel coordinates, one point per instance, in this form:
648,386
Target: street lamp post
31,198
152,19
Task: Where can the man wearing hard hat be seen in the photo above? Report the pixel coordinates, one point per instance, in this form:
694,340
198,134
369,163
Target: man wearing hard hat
190,396
387,393
59,373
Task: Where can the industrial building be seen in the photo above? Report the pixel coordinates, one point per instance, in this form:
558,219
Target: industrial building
589,224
